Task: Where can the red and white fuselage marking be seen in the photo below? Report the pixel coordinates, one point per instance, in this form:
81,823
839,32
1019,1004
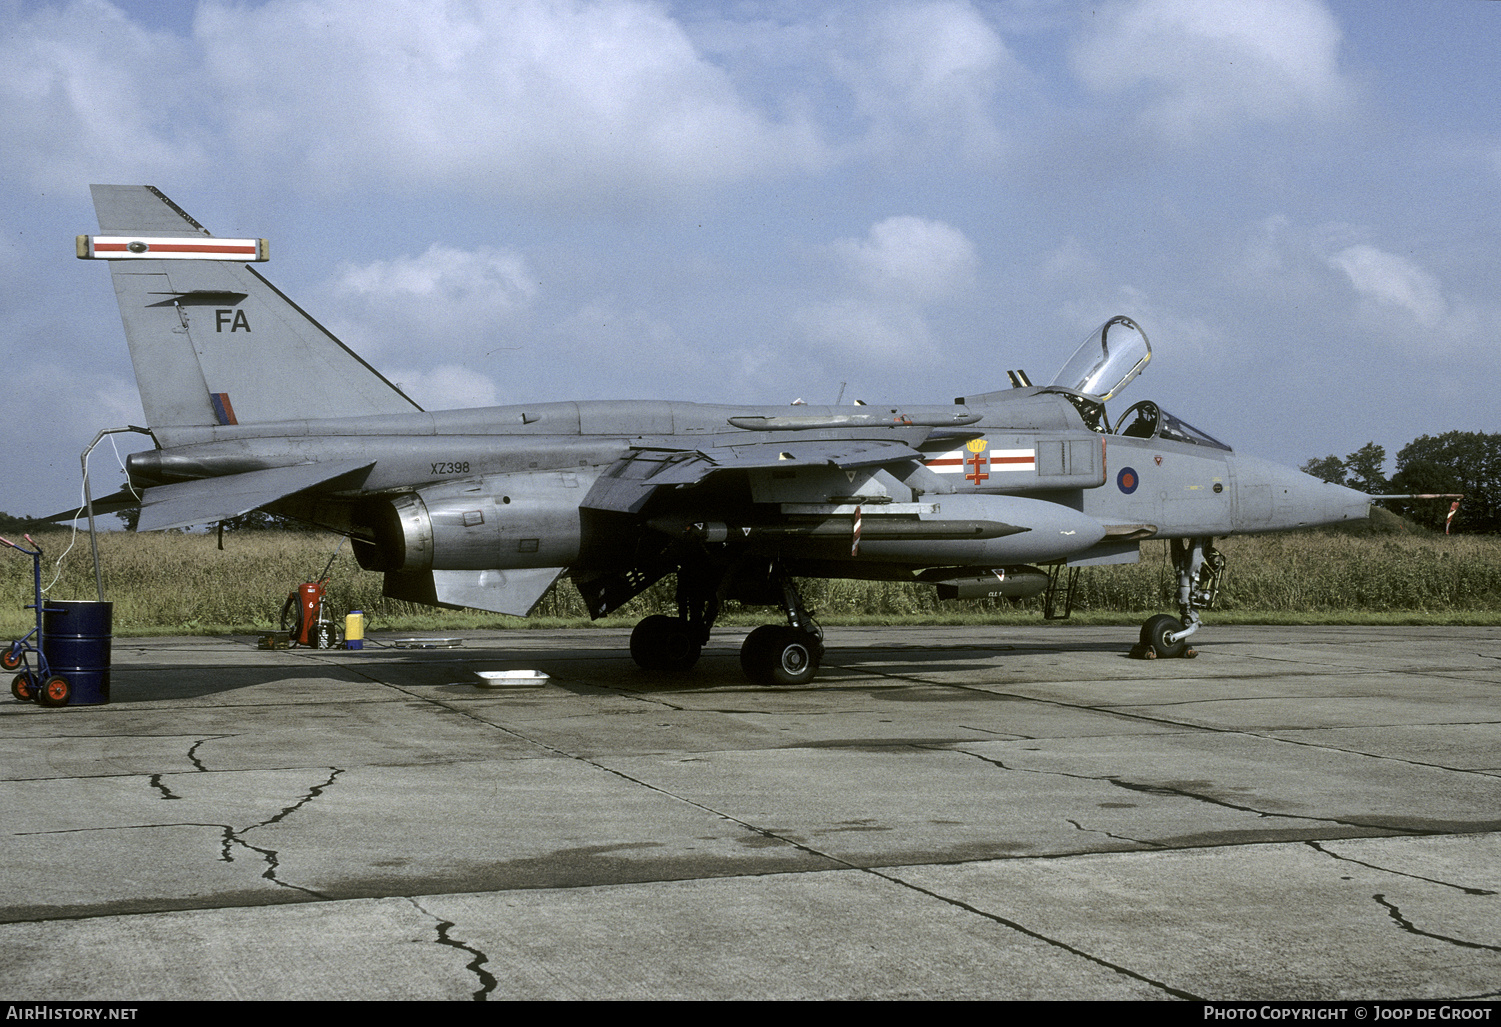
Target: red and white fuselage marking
978,464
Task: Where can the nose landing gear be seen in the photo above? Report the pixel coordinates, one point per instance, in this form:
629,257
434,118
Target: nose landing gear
1201,571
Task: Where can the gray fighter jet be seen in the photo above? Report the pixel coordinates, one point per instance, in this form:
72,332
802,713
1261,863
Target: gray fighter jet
1003,493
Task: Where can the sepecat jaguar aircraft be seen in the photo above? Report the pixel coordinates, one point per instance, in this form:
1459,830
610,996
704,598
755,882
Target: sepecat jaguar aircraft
1000,494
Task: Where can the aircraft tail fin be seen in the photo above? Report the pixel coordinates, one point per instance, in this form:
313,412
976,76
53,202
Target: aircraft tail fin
211,340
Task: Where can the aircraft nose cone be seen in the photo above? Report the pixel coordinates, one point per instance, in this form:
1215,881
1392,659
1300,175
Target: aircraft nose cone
1270,497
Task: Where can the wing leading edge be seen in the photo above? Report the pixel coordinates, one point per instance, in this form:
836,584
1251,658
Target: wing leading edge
629,483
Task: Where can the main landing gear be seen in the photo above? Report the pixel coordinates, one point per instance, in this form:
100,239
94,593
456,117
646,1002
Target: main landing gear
777,655
1201,569
772,654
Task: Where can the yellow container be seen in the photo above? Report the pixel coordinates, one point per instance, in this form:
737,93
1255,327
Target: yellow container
354,630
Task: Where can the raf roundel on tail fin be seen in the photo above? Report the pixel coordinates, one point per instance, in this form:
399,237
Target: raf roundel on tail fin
211,340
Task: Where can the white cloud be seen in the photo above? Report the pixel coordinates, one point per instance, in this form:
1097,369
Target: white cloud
532,97
1069,261
1393,281
455,301
611,351
445,387
921,72
496,279
87,95
1338,295
901,265
1438,323
52,412
584,102
941,62
911,258
1207,64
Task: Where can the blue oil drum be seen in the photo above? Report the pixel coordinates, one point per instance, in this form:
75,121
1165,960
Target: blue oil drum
75,640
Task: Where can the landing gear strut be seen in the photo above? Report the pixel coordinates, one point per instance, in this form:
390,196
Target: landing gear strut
772,654
1201,569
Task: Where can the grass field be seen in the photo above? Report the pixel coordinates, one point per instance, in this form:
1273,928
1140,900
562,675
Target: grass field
178,583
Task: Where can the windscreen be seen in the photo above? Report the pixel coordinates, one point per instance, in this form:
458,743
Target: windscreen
1146,420
1109,358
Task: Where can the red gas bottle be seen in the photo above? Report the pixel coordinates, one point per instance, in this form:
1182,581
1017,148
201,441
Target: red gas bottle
307,627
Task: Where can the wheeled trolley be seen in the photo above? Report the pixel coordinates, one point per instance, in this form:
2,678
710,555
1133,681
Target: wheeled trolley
36,684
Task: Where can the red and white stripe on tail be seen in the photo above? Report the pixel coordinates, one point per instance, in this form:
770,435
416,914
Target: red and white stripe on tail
131,247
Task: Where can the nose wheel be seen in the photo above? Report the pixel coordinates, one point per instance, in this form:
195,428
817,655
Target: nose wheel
1157,637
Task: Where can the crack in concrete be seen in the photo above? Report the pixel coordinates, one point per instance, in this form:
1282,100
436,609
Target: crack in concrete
193,751
1329,747
1117,837
270,856
1388,870
156,782
654,700
1183,793
121,827
1009,736
475,966
228,838
1408,926
312,794
1135,787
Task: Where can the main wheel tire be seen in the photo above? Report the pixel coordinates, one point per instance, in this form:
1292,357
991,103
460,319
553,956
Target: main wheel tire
680,650
1155,631
10,659
23,688
54,692
794,657
644,640
755,652
665,644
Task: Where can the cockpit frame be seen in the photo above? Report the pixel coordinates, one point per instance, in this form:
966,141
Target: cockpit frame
1147,420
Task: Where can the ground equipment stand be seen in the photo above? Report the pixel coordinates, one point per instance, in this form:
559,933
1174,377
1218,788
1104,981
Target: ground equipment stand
39,685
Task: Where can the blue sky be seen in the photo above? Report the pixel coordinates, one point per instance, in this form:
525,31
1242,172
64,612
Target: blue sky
757,202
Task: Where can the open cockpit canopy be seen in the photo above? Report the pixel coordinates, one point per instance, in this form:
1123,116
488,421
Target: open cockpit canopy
1109,358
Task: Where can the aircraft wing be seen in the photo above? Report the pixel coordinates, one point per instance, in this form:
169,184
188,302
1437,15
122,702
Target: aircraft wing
112,503
217,499
630,482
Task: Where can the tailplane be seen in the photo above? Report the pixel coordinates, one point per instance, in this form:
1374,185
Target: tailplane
211,340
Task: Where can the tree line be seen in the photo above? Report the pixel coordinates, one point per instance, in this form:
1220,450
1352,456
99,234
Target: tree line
1456,461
